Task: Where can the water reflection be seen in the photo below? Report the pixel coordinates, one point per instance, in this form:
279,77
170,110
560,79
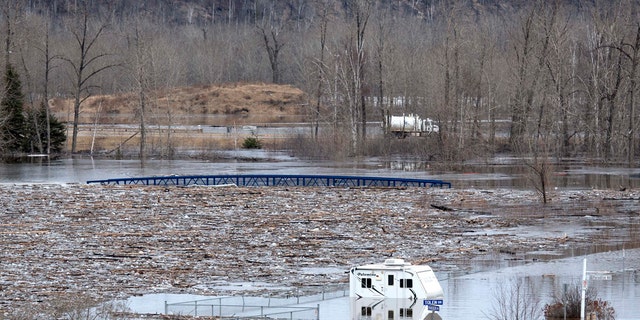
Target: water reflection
505,174
473,296
369,308
513,173
476,293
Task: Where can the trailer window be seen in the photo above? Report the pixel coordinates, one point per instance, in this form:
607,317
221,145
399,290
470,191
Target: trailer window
390,280
366,282
406,283
406,312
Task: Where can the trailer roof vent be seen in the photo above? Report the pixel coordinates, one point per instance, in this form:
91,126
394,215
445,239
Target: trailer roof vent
396,262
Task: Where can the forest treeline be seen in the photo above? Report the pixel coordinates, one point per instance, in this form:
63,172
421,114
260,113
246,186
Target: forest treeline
549,79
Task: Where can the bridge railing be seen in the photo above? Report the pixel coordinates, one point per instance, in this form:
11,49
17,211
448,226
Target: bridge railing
257,180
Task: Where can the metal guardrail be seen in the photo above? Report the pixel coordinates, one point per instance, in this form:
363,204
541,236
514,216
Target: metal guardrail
257,180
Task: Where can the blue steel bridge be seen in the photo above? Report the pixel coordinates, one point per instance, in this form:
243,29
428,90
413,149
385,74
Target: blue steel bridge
260,180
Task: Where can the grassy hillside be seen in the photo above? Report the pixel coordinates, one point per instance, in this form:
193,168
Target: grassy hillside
175,118
246,103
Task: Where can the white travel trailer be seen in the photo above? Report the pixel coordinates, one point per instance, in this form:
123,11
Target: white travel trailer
394,279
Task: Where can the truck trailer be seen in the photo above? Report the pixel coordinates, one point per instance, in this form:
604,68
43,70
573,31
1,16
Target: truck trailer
410,125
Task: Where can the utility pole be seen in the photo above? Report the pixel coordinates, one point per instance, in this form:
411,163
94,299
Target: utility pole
584,288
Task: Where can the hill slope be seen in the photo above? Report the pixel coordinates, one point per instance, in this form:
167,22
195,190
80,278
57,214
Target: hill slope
246,102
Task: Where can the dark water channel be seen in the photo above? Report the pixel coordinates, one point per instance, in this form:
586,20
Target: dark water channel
469,294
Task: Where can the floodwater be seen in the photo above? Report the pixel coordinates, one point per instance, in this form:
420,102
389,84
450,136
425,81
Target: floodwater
501,173
475,295
469,296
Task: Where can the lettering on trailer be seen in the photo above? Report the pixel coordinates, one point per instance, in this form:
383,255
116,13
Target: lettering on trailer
361,274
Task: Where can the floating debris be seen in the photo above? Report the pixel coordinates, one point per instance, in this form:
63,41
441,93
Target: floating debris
107,242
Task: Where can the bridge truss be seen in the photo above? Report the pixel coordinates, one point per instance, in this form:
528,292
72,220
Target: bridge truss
259,180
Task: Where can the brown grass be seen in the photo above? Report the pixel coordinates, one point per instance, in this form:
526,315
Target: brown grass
236,103
233,104
109,140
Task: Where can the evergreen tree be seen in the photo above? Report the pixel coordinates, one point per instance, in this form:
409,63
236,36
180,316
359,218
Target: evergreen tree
11,108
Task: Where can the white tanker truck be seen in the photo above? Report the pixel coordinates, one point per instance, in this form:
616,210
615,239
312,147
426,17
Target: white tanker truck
410,125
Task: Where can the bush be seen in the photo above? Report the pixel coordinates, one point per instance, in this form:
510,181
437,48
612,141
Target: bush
252,143
328,146
573,299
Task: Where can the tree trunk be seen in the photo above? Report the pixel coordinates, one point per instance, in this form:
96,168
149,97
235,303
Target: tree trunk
632,93
611,99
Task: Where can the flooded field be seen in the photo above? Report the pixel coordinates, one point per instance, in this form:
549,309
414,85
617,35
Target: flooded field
471,296
475,294
101,240
499,173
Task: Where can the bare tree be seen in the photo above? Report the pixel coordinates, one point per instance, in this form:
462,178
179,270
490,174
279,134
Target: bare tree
451,88
551,85
566,81
86,63
383,33
561,68
9,11
634,57
271,28
321,63
487,68
353,70
141,64
48,67
630,51
38,65
530,53
516,299
607,90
